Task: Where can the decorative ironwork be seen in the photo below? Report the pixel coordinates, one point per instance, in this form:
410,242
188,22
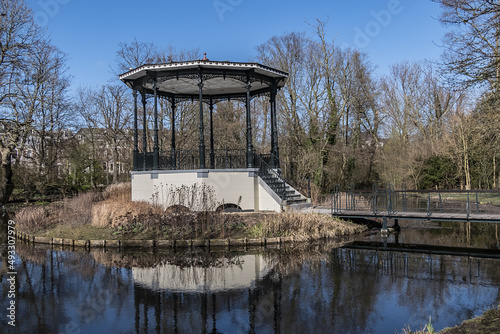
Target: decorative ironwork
190,159
207,74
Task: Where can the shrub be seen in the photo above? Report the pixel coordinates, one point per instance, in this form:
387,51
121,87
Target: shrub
111,213
78,210
118,192
438,171
32,219
303,224
197,197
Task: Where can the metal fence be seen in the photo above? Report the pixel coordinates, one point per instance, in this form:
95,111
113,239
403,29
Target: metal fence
190,159
391,201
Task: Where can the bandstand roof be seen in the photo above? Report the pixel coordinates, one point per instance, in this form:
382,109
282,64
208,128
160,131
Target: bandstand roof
221,79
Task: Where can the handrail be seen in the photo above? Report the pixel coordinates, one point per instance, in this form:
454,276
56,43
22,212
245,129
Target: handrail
293,172
272,177
183,159
390,201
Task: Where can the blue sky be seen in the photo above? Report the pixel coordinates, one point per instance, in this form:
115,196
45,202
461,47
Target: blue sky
389,31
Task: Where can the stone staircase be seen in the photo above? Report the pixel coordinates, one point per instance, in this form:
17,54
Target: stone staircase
290,197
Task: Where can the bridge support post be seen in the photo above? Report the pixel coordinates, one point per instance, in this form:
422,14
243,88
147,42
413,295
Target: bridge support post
384,231
396,226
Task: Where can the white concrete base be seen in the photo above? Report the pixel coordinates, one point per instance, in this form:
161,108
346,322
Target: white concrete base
241,187
241,273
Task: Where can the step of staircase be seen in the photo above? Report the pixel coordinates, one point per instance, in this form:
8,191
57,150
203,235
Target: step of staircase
293,197
296,200
297,206
293,200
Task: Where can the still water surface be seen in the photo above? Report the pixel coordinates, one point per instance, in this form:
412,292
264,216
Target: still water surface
307,288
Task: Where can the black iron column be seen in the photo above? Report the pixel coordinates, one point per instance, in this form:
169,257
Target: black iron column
156,150
136,139
144,130
202,129
275,149
249,126
272,101
212,152
172,128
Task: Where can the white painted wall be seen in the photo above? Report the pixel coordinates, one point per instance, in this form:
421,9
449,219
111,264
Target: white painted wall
242,187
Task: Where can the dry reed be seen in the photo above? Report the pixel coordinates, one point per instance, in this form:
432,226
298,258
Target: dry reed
306,225
32,219
78,210
121,192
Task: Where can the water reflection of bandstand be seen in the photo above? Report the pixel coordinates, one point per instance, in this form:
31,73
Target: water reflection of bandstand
199,297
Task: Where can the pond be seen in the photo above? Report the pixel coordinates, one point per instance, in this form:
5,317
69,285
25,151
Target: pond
323,287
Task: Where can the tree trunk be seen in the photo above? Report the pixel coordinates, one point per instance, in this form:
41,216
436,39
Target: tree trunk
6,183
467,171
115,167
494,172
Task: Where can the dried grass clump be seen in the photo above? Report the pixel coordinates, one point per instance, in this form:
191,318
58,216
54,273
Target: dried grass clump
78,210
121,192
118,208
304,225
111,213
32,219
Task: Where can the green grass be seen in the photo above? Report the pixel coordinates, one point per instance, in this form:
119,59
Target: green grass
488,323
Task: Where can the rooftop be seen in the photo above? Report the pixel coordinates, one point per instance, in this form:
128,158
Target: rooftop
221,79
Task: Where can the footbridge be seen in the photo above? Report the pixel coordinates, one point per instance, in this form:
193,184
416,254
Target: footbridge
431,205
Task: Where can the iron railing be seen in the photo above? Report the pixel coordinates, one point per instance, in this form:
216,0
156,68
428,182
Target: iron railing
271,175
190,159
390,201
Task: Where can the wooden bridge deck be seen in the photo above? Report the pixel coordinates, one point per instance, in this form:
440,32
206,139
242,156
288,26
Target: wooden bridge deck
434,216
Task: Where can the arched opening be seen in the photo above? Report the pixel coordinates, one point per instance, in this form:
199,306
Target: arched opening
228,207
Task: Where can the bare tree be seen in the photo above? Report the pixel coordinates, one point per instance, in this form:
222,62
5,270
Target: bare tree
472,52
107,111
29,64
134,54
18,36
52,122
287,53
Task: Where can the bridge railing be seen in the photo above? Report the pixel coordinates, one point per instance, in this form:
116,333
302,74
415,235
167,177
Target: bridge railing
388,201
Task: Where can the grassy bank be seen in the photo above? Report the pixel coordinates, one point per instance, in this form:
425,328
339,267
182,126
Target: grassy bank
112,215
488,323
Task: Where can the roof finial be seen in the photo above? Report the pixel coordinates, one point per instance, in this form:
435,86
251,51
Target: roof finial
205,57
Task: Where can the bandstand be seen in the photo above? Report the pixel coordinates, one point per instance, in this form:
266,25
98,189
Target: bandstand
240,178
